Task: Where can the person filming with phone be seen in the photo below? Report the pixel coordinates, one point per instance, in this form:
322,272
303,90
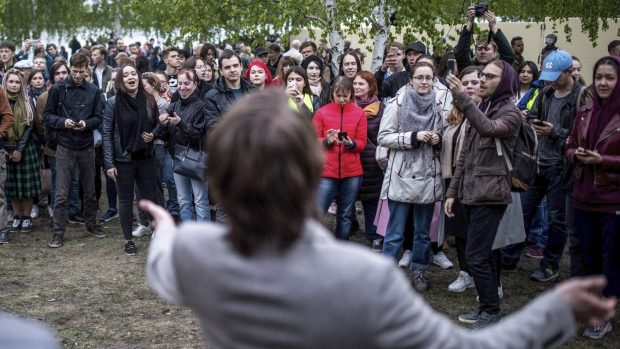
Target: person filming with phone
301,98
342,129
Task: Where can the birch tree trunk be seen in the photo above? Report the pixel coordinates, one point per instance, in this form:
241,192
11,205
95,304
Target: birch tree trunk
381,37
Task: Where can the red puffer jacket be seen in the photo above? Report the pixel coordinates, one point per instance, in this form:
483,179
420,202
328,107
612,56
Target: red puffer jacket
339,161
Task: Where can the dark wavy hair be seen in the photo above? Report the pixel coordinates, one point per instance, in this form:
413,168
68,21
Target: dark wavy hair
532,66
299,71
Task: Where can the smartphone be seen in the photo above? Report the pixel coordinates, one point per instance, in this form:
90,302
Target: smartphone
394,50
538,122
35,42
452,67
170,111
291,85
342,136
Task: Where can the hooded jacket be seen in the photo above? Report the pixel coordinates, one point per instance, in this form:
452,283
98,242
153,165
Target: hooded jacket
341,161
219,99
81,103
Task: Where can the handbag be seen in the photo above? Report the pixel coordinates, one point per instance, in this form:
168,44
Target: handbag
46,179
190,162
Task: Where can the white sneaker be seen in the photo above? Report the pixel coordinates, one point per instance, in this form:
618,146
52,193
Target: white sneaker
50,211
405,260
141,230
500,293
332,209
463,282
34,212
442,260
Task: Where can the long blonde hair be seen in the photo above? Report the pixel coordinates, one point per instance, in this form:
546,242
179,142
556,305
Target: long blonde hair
22,104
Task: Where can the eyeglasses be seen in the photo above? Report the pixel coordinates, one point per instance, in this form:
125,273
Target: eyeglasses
473,83
489,76
423,78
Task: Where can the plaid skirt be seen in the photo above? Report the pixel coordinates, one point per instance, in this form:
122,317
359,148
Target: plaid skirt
23,180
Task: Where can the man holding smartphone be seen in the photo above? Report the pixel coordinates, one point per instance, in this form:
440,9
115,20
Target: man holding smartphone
552,117
74,109
392,64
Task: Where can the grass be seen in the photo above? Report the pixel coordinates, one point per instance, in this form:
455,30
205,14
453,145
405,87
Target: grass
94,296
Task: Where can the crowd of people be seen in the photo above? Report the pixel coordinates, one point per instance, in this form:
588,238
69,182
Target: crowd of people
429,146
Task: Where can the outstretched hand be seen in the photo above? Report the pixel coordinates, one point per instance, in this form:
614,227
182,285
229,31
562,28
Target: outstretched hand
584,295
160,215
454,84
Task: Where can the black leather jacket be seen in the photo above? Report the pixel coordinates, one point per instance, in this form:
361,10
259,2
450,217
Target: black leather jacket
220,97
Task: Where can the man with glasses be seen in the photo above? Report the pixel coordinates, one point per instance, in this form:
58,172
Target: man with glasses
74,109
552,117
486,48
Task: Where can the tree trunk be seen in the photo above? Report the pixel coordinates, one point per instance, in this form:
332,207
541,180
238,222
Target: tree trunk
381,37
335,40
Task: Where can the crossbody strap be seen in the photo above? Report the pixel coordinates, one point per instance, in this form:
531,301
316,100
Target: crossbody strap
500,147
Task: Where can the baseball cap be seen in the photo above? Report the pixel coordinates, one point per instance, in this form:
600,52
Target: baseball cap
417,47
260,50
555,63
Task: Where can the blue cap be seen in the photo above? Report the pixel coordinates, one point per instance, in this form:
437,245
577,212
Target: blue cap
555,63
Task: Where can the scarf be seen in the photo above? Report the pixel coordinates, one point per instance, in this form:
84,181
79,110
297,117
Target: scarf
34,93
132,120
22,112
371,106
316,87
418,113
603,111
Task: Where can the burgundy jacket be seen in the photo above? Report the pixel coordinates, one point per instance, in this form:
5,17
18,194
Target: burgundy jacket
596,187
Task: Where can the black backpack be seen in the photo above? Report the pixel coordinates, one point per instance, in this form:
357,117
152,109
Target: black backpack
524,165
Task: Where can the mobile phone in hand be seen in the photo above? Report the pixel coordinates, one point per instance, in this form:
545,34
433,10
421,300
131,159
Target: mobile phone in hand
342,136
170,112
538,122
452,67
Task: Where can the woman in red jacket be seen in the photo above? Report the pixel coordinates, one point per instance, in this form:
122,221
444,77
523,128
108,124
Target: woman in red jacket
341,127
594,148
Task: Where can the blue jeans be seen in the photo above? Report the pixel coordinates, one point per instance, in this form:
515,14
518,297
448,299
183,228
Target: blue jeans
167,178
370,211
191,192
394,236
540,226
548,183
345,192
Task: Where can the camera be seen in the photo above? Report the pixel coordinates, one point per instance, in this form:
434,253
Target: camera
481,9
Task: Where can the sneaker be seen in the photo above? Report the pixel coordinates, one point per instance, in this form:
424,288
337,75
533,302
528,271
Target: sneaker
56,241
500,293
442,260
419,282
4,237
17,225
109,215
471,317
130,248
544,274
50,211
377,245
141,230
405,260
332,209
26,225
534,252
97,231
597,332
485,319
34,212
76,218
463,282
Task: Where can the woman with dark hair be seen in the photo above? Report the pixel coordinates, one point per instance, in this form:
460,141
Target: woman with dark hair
342,129
284,66
36,84
185,125
594,148
350,64
210,73
411,128
258,74
23,181
529,85
157,61
142,65
208,52
366,97
128,123
199,66
577,71
319,87
301,98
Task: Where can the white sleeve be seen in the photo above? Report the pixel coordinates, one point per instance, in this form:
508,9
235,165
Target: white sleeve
160,271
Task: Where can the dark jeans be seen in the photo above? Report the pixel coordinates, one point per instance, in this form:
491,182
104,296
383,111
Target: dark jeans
139,172
344,191
165,167
66,161
370,211
110,190
482,265
600,243
574,248
548,182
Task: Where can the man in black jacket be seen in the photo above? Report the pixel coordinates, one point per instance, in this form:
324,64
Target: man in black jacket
486,48
74,109
228,88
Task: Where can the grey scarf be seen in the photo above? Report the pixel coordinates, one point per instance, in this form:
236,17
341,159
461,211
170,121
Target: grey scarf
419,113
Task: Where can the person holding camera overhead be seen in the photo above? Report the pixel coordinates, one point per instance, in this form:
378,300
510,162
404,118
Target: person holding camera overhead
486,48
342,129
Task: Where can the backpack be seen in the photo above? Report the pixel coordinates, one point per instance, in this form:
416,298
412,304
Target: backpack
524,165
